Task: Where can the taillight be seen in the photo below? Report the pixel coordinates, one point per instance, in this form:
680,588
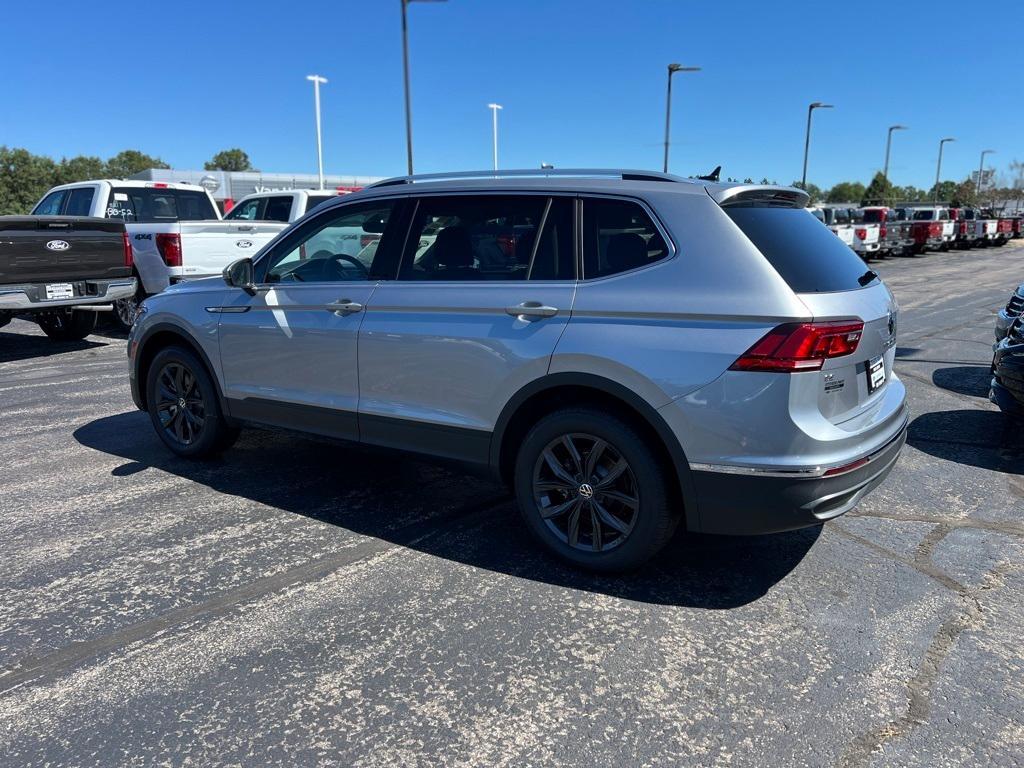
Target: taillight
882,231
128,260
861,233
169,246
963,227
801,346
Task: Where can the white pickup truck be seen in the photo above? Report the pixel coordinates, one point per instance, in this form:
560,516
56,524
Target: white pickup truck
837,220
175,230
283,205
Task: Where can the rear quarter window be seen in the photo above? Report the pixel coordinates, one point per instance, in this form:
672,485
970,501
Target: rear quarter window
807,255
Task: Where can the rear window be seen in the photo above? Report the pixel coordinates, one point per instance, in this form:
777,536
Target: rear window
807,255
150,205
874,216
924,215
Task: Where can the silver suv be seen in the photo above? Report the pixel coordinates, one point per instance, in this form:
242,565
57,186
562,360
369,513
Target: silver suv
628,350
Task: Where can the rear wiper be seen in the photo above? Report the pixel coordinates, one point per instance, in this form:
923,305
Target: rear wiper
867,277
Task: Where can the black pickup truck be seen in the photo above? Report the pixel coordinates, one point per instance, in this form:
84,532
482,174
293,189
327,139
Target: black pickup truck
59,270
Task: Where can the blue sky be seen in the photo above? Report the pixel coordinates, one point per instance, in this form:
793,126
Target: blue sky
582,83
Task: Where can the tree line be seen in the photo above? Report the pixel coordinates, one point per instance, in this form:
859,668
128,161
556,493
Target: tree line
25,177
960,193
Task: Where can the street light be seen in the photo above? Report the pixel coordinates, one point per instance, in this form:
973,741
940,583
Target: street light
807,138
938,167
888,145
494,115
317,81
405,71
672,69
981,168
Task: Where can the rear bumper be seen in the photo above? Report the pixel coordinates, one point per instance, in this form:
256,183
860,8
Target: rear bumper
32,296
738,501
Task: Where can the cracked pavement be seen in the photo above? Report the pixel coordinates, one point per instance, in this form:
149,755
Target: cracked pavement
300,603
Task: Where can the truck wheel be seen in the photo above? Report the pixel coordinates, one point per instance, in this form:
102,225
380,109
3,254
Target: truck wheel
593,492
184,407
126,309
68,324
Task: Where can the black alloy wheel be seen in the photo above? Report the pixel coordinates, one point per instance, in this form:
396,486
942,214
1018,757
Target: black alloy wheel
586,492
179,405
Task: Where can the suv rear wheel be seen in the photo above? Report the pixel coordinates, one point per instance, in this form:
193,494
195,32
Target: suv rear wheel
68,324
184,407
592,490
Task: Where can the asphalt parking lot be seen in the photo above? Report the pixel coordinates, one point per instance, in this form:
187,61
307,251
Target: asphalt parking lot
298,602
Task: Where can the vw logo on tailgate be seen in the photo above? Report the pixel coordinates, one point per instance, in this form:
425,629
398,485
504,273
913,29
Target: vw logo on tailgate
244,243
58,245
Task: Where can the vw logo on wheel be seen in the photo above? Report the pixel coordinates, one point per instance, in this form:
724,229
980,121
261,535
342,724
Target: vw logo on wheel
244,243
586,491
58,245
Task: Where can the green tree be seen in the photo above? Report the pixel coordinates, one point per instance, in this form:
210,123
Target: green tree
879,191
813,191
944,191
229,160
81,168
24,178
846,192
131,161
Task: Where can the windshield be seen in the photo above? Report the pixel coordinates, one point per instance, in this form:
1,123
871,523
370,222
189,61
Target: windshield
807,256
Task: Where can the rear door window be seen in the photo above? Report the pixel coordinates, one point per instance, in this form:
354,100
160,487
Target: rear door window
808,257
278,209
618,236
51,204
80,201
490,238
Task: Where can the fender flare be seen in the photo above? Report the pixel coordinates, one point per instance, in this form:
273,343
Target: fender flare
681,465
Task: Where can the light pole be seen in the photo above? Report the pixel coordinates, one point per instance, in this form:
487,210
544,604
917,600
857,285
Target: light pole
981,170
405,73
807,138
938,167
494,119
672,69
317,81
888,145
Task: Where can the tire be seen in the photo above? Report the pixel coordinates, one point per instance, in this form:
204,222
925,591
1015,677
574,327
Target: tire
184,406
68,324
126,309
640,529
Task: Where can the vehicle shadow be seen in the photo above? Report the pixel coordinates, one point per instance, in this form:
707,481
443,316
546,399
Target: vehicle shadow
446,514
27,346
970,380
985,439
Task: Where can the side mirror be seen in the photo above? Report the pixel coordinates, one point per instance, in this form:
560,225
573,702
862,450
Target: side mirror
239,274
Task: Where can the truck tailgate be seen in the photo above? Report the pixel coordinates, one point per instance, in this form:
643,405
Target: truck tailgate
39,249
209,246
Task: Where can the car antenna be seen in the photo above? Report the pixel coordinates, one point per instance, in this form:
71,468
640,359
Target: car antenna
713,176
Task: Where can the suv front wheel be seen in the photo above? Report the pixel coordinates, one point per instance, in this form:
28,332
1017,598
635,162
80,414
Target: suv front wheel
184,407
593,491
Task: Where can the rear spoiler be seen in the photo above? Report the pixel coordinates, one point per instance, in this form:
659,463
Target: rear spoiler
761,195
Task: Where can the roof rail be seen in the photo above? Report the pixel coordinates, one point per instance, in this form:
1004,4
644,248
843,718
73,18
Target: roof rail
625,175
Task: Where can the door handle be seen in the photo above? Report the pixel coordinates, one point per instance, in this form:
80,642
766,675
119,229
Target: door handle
247,228
344,307
531,309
